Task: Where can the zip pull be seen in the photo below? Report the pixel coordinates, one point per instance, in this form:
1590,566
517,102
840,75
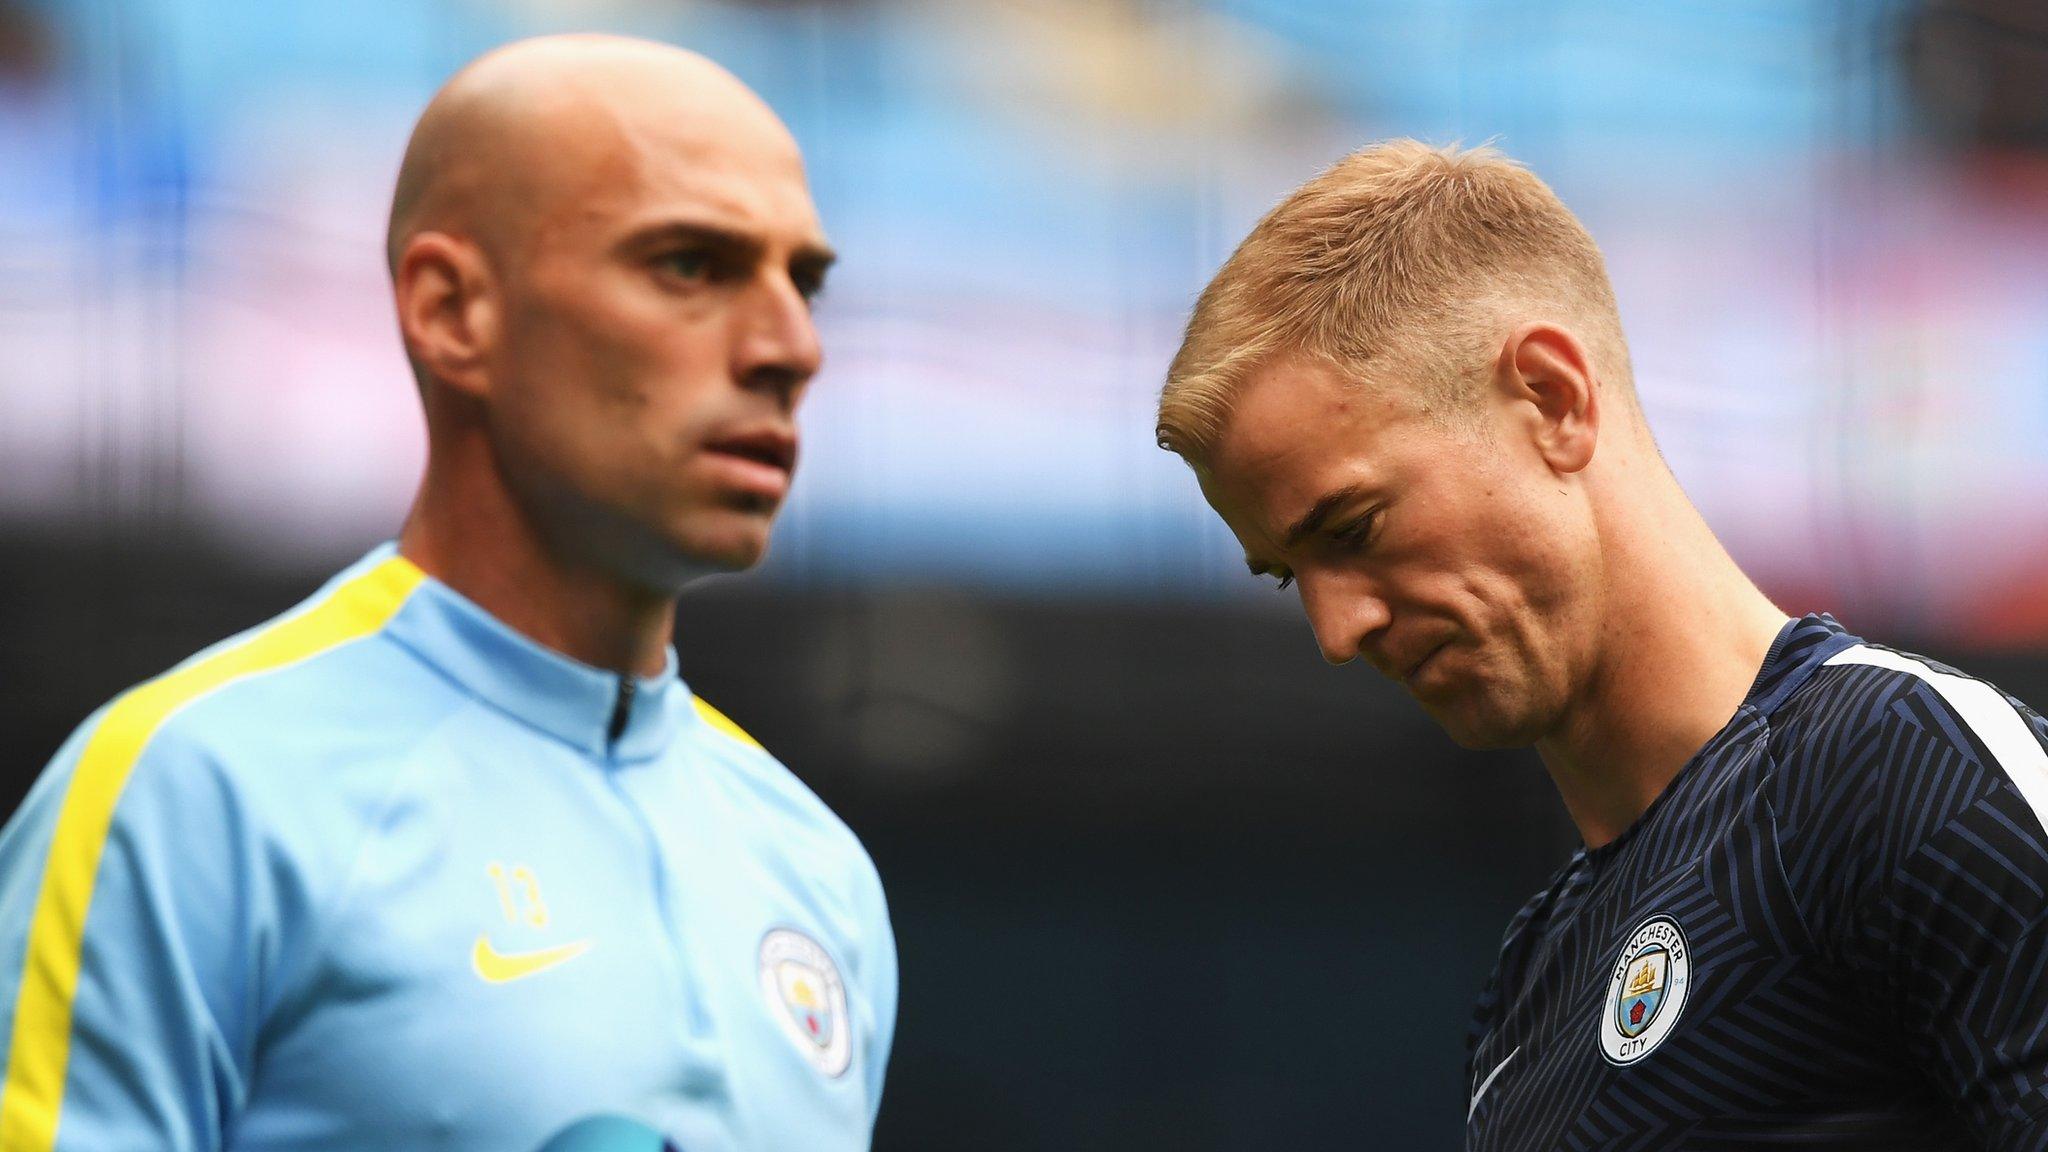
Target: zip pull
622,710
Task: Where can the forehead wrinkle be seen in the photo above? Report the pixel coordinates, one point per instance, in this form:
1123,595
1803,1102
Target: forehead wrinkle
734,202
697,180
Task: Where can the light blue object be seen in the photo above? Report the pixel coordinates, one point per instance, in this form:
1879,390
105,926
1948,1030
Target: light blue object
419,890
608,1134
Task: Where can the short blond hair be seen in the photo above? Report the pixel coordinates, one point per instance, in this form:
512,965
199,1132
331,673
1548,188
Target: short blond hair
1399,253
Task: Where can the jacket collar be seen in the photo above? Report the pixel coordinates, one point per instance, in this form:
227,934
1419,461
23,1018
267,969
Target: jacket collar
602,714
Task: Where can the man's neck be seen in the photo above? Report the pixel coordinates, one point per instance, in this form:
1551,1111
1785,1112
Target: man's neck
1684,635
482,545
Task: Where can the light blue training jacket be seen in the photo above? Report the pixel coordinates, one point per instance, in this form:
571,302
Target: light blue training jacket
384,874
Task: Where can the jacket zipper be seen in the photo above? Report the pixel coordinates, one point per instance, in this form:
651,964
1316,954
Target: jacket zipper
622,711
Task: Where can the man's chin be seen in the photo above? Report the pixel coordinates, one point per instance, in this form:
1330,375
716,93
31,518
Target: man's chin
698,556
1474,725
665,565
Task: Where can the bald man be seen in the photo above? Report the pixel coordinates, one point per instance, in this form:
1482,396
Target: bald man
448,856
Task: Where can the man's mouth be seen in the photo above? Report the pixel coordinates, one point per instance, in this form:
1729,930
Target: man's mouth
1416,668
757,462
774,447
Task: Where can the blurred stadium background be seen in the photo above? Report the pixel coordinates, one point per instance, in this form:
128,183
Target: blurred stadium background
1161,879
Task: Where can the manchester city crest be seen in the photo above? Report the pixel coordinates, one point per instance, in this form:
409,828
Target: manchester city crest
1646,991
807,999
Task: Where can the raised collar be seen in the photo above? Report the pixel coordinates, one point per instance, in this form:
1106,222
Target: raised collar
1802,646
606,716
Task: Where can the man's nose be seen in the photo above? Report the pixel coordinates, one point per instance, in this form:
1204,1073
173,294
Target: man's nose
1342,613
777,348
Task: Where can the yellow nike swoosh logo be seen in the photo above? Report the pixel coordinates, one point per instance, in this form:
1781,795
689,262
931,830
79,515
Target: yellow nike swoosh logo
496,967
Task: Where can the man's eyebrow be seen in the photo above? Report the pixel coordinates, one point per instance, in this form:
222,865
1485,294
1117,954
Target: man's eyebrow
1320,511
819,256
1310,521
811,253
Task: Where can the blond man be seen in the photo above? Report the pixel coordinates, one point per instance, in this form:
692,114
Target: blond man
1810,903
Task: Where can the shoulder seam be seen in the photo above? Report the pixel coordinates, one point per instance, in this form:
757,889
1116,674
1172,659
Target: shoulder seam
32,1096
1988,717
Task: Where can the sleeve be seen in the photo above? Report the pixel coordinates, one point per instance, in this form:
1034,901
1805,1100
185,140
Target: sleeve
1927,866
879,980
125,989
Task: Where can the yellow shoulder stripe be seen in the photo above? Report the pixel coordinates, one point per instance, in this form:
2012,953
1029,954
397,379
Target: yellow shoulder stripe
32,1097
716,719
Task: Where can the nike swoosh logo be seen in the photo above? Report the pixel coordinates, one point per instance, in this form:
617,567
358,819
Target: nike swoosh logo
1488,1083
495,967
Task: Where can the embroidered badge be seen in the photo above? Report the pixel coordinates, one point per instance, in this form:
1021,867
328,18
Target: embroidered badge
807,998
1646,992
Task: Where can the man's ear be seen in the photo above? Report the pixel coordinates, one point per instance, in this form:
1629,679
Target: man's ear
447,310
1544,367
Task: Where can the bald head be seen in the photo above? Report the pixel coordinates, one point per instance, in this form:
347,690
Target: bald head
530,127
603,253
